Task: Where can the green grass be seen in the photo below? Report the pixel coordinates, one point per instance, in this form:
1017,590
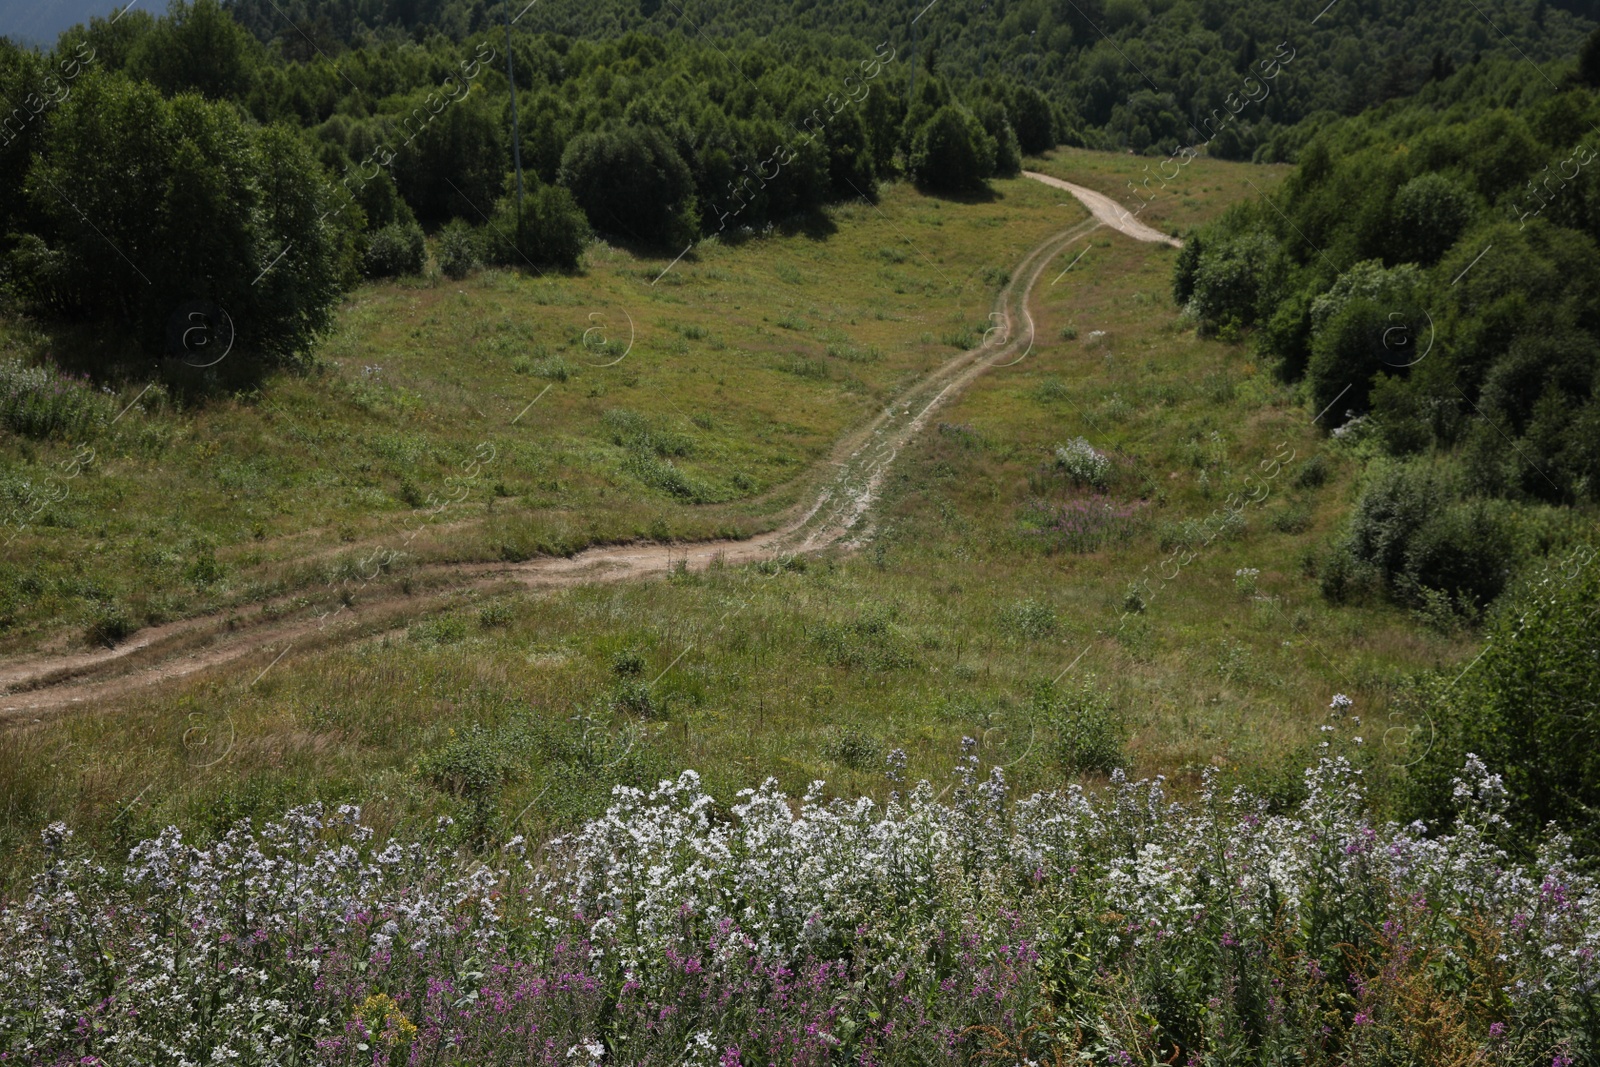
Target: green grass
946,625
755,356
1170,196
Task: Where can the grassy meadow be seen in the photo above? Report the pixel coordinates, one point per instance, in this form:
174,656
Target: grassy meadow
668,401
997,595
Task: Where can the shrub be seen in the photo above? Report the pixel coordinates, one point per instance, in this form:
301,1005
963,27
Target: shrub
212,205
627,664
632,696
952,152
398,248
1526,707
1313,474
443,630
494,616
458,250
1234,282
632,182
1081,525
469,765
1087,730
1408,534
554,230
554,368
868,643
854,748
1081,462
1030,619
1430,212
41,402
108,625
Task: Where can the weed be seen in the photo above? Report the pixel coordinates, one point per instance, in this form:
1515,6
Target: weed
108,625
854,748
1313,473
627,664
1083,463
441,630
868,643
1030,619
494,616
1088,731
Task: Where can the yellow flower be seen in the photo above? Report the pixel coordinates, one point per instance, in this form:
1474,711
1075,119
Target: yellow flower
385,1020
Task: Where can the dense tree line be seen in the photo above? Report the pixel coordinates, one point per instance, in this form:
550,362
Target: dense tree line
1144,74
164,161
1429,274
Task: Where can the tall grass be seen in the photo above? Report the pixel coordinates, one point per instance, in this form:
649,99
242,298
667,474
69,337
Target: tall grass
42,402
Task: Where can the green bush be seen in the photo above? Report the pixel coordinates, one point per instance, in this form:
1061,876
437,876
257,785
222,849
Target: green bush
1526,708
1409,534
854,748
867,643
396,249
631,181
627,664
554,231
443,630
1235,282
458,250
209,206
1430,212
1088,732
108,624
1030,619
952,152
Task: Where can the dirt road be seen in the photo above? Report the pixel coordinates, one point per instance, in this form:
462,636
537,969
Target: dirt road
839,514
1108,211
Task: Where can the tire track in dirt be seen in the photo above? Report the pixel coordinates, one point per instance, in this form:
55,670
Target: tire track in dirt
839,515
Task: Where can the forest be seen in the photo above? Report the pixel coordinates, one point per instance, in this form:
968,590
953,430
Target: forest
319,145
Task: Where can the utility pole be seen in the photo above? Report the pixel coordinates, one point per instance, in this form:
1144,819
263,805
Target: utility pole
516,131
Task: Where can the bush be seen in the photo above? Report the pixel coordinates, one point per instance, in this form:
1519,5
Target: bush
1526,708
1409,534
398,248
627,664
554,230
40,402
1082,525
1083,463
1430,212
1233,282
213,208
854,748
630,181
1087,730
1030,619
458,250
867,643
1313,474
952,152
443,630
